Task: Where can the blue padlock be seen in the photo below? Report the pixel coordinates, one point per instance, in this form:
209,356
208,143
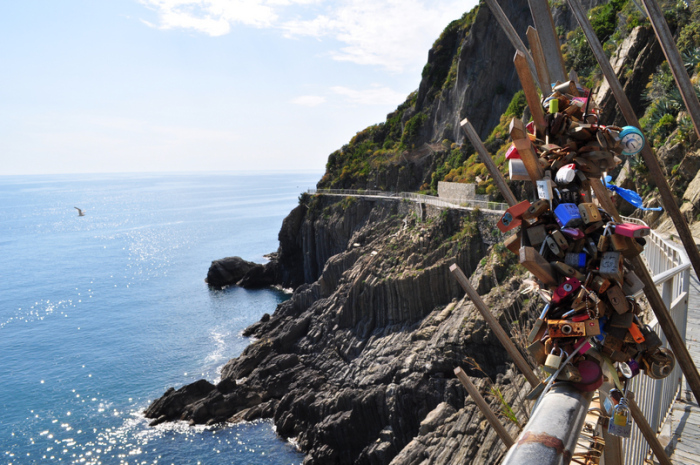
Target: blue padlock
567,215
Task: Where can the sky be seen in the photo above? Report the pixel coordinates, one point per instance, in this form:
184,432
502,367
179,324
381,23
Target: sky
92,86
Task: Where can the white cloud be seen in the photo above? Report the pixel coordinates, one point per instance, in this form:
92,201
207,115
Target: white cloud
308,100
375,95
394,34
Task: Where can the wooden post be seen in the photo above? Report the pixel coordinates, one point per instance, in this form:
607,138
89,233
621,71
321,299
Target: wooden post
667,197
646,430
484,407
527,153
657,304
533,100
542,16
495,326
668,45
538,56
488,161
511,34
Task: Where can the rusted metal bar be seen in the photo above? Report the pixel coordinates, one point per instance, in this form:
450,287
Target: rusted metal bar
484,407
673,57
542,17
647,432
512,35
657,304
488,161
495,326
549,438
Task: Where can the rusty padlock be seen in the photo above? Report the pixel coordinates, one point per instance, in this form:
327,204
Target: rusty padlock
617,299
589,213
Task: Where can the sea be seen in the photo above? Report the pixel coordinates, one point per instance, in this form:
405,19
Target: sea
100,314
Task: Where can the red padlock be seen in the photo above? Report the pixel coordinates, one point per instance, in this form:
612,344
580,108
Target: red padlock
565,289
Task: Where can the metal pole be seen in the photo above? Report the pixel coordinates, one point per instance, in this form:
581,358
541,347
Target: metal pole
668,45
495,326
675,340
511,34
488,161
549,438
484,407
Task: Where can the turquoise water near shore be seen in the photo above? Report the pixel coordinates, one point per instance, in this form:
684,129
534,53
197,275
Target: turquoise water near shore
101,314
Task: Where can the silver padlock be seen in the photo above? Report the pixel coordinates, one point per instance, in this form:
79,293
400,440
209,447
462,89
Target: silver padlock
620,424
553,362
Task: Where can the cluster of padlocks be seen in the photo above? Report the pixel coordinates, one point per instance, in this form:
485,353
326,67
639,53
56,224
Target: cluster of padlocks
580,254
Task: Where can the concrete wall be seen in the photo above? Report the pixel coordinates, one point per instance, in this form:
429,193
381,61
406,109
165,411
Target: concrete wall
457,192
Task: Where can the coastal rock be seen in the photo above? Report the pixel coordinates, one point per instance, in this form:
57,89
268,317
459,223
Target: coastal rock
227,271
357,365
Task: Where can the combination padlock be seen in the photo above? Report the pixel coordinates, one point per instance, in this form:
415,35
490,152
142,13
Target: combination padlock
553,361
620,424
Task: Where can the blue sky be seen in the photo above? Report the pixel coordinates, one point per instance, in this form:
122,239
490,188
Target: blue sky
207,85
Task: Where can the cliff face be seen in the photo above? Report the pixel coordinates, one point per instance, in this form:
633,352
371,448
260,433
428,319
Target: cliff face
358,364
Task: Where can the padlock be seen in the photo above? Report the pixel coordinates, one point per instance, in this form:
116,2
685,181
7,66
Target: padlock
631,284
567,270
553,361
537,352
560,239
537,234
591,376
612,343
512,243
517,170
569,373
629,369
566,328
652,341
611,266
617,299
577,260
636,333
618,243
589,213
536,209
624,320
512,217
632,230
551,244
620,424
659,363
567,215
544,189
538,327
604,240
592,327
598,284
565,289
634,248
566,174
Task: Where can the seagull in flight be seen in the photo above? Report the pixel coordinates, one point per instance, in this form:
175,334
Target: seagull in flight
80,212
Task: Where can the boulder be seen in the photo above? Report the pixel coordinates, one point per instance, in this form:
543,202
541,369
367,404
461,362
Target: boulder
227,271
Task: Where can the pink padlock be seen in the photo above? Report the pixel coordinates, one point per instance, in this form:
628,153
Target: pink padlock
512,153
632,230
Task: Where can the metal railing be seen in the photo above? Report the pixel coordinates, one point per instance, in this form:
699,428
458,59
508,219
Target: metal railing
419,198
671,268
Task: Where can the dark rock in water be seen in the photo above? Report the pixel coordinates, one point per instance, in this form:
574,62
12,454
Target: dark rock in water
227,271
260,276
171,405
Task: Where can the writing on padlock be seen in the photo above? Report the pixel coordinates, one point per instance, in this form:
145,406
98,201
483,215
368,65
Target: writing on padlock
611,266
620,424
544,189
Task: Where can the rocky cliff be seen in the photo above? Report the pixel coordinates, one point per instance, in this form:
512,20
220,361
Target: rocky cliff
358,365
